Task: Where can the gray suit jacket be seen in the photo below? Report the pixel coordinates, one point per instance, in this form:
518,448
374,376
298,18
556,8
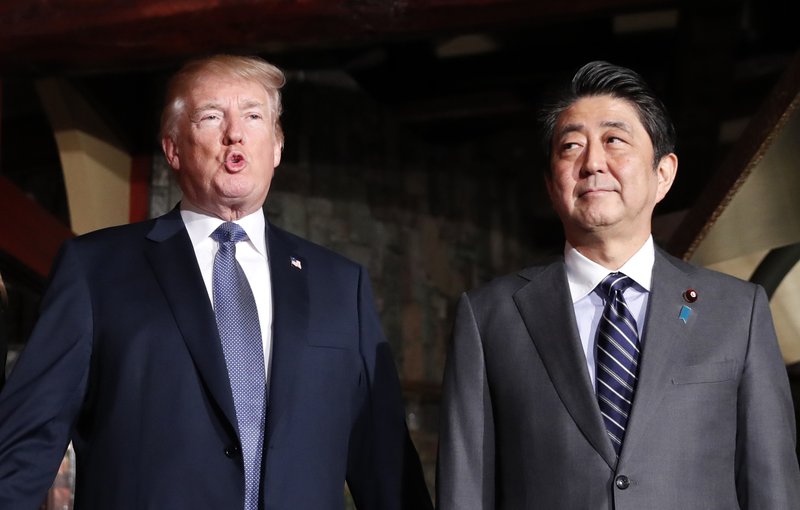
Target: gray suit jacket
712,425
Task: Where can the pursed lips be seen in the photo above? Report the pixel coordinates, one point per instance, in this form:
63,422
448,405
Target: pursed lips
235,161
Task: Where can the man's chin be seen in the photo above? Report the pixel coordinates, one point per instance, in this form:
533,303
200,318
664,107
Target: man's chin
596,223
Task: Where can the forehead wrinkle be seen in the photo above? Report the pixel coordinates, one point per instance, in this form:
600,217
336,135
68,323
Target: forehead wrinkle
251,103
617,124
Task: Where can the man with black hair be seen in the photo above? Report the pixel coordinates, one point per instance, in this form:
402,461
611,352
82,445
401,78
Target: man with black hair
619,377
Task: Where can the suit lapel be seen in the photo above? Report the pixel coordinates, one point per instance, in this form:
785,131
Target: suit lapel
663,334
546,308
172,258
290,299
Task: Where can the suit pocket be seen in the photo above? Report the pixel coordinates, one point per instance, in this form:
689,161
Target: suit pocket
332,339
706,373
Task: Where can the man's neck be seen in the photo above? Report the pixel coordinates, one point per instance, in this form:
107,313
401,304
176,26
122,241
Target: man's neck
609,253
221,212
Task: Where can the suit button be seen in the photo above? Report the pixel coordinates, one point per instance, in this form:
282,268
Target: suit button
232,450
622,482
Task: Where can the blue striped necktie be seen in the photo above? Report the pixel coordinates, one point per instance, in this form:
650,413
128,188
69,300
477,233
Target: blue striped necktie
240,333
617,357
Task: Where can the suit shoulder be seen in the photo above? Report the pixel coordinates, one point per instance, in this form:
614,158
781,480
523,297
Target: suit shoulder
507,285
723,281
112,237
313,251
723,289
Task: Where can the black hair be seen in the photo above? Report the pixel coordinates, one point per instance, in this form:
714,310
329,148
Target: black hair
601,78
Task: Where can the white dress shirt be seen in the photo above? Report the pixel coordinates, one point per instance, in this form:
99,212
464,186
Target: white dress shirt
251,254
585,275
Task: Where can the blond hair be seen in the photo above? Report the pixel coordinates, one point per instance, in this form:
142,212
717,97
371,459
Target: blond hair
248,68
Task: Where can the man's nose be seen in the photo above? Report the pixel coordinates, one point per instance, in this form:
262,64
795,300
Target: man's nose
233,131
594,158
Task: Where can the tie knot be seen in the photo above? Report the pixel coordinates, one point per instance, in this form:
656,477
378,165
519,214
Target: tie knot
615,282
229,232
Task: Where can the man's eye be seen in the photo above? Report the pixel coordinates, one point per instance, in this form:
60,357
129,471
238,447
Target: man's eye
254,116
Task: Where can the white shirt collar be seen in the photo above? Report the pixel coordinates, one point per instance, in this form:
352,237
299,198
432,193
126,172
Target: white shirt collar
584,274
201,225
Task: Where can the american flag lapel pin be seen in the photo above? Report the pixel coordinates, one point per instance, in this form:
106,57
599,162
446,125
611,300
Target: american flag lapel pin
296,263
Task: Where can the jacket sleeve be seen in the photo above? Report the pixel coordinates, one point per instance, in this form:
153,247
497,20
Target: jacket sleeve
466,467
3,336
767,475
43,395
384,471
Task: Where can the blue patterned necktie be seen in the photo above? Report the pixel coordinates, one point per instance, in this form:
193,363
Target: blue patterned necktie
617,357
240,332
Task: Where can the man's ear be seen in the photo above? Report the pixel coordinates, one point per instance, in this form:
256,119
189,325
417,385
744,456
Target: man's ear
170,149
277,152
665,173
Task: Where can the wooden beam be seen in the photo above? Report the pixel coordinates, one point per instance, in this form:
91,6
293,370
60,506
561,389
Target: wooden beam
140,187
87,34
737,166
28,232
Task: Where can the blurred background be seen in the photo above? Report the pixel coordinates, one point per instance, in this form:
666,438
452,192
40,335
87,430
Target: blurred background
410,139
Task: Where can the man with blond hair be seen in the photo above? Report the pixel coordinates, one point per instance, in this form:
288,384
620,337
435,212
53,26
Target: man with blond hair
207,359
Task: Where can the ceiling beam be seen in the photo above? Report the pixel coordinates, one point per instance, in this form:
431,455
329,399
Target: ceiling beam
753,144
28,233
85,35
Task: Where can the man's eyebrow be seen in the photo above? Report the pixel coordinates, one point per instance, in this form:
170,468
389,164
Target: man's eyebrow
214,105
577,127
569,128
206,107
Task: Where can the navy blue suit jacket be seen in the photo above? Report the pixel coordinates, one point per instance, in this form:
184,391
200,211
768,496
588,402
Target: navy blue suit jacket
126,362
3,344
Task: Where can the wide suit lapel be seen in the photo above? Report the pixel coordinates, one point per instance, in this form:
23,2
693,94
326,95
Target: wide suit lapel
664,334
290,299
546,308
170,255
172,258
